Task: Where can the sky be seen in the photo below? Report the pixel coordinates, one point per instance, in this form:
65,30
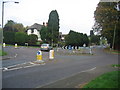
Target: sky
77,15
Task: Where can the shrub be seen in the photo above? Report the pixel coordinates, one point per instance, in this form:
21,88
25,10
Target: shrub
32,39
9,37
21,38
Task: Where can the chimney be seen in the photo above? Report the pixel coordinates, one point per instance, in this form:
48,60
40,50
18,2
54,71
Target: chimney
43,23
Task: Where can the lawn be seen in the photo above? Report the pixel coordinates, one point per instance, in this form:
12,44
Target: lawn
2,53
107,80
116,65
112,51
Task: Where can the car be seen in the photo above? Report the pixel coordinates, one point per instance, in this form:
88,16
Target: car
45,47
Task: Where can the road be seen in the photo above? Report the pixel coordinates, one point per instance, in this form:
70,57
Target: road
61,67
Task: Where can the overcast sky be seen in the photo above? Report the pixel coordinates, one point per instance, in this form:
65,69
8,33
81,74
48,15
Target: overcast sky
77,15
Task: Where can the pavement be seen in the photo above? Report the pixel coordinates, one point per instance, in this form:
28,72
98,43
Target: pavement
80,79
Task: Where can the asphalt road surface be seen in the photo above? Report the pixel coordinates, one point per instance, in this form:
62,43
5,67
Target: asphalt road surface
61,67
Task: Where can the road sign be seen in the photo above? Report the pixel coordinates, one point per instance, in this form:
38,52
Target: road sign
39,55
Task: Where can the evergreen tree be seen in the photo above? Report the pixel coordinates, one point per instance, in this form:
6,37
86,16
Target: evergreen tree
44,34
53,27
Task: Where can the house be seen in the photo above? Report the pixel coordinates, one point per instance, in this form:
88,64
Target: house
35,29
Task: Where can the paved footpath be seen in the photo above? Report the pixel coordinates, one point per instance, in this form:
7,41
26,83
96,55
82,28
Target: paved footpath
78,80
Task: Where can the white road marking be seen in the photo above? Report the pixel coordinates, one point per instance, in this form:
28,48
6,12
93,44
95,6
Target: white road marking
66,77
19,66
89,69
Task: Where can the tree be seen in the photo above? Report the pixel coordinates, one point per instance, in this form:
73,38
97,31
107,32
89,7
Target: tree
108,21
32,39
95,39
85,39
53,27
9,26
19,27
44,33
13,26
21,38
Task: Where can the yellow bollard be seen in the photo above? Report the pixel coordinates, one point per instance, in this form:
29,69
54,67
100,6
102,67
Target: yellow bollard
16,46
51,54
4,45
39,56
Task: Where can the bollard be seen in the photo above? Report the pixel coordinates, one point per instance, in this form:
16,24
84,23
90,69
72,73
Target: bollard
39,56
4,45
84,45
76,48
51,54
16,46
90,51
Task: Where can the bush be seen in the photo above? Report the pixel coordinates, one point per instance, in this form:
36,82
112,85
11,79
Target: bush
32,39
76,39
9,37
21,38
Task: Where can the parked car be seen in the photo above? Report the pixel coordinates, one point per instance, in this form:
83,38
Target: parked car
45,47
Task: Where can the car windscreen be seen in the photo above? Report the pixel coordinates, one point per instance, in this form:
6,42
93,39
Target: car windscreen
44,45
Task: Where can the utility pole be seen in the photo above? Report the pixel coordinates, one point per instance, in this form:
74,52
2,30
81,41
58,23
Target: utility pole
118,9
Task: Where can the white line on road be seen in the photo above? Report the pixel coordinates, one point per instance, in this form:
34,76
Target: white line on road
66,77
10,68
89,69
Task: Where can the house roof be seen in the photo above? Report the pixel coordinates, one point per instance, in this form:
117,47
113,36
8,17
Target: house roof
36,26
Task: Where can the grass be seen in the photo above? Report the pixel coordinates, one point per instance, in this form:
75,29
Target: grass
116,65
112,51
2,53
107,80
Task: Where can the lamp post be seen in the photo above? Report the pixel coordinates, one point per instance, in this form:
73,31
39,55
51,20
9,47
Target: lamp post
3,10
118,9
3,15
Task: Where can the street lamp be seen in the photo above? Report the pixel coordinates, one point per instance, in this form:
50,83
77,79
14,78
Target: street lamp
3,10
118,9
3,13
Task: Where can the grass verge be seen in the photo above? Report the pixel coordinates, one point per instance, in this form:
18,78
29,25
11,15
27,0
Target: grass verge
112,51
2,53
107,80
116,65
